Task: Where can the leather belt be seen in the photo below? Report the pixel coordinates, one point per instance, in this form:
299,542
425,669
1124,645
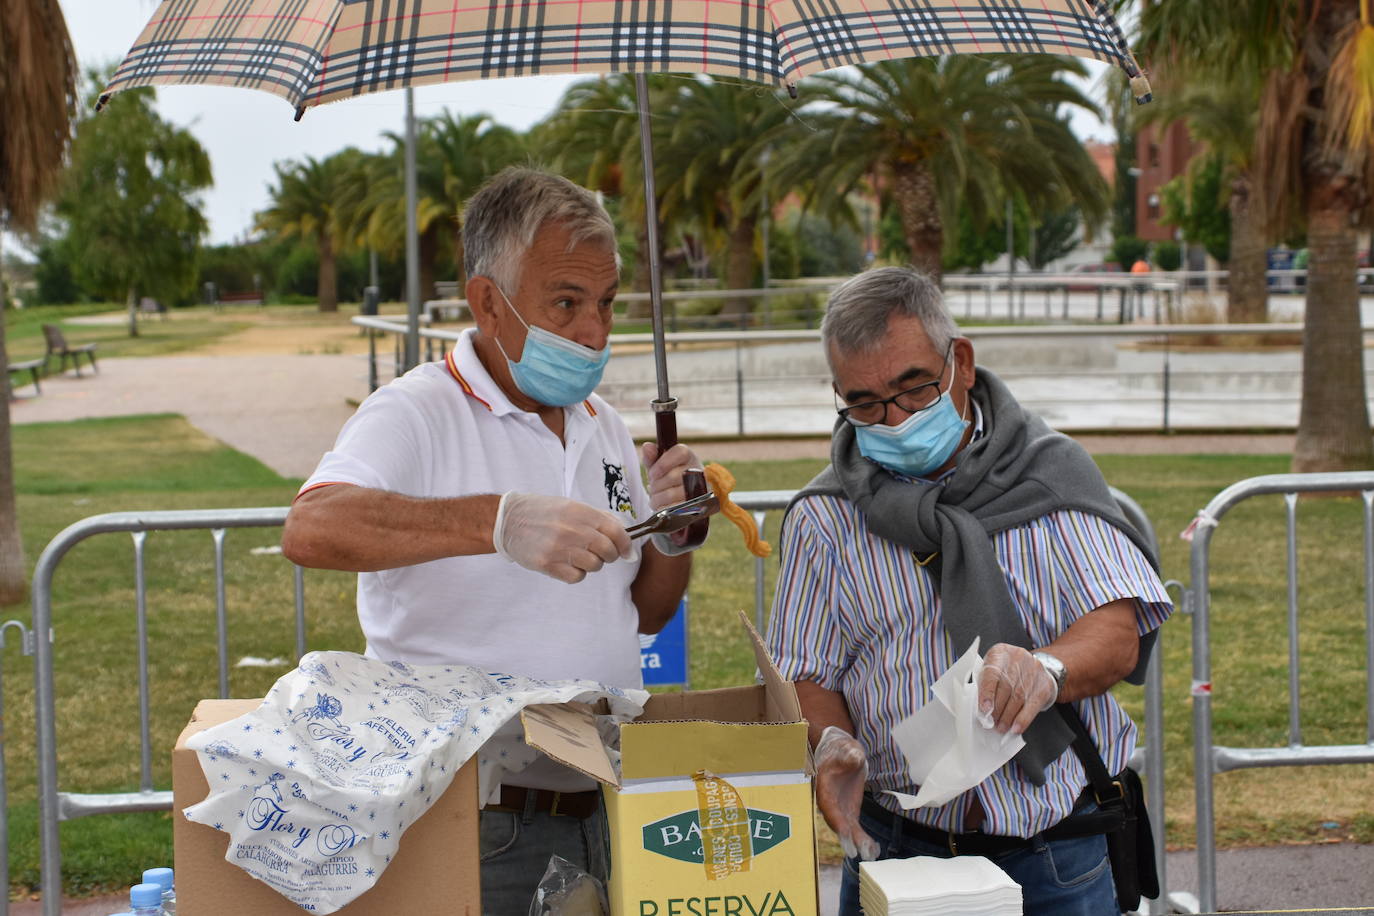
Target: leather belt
977,843
520,800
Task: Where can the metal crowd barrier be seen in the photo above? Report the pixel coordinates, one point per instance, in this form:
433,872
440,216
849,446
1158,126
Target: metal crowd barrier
1210,758
53,805
56,806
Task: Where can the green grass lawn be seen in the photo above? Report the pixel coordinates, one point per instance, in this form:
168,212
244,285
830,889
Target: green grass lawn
66,472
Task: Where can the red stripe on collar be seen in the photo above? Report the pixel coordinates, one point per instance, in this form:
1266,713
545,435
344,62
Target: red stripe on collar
462,382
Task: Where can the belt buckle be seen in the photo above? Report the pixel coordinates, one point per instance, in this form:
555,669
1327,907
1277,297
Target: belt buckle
953,843
1120,794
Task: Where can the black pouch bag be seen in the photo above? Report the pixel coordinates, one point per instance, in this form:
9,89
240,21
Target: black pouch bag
1131,849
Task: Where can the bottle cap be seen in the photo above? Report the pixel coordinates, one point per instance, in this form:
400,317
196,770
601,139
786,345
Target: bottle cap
145,895
160,876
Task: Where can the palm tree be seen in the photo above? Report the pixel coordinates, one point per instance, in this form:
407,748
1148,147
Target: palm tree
713,158
934,131
1313,153
454,155
37,102
1223,117
593,138
308,202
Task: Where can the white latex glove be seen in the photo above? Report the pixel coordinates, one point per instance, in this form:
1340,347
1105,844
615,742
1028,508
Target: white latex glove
665,472
1014,688
841,771
666,489
558,537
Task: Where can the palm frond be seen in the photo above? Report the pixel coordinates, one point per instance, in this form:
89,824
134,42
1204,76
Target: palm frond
37,105
1349,98
1279,148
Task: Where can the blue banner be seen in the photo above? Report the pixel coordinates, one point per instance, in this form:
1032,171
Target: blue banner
663,656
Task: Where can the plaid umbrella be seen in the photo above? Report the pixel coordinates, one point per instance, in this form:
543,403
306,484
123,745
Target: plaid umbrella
311,52
315,51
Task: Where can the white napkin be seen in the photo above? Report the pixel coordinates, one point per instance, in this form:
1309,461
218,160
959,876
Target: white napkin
949,747
927,886
316,785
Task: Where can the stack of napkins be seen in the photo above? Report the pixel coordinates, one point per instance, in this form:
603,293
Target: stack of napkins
962,886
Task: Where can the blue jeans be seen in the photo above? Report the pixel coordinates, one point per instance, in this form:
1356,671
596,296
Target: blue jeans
1059,878
516,850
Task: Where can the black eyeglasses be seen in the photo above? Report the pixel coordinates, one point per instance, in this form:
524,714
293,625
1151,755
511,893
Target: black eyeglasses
913,400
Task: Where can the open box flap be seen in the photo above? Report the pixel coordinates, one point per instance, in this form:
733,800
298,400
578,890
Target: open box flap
781,696
567,733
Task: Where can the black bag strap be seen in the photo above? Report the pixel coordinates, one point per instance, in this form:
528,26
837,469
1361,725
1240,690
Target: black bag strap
1109,791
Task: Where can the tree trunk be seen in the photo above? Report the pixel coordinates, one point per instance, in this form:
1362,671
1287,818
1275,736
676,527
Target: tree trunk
1247,290
131,301
13,580
913,188
642,273
328,285
1333,426
740,267
429,250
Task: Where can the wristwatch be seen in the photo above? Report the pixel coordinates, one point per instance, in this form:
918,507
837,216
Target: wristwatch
1055,668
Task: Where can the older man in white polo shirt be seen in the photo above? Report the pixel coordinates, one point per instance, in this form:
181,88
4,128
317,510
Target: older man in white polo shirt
484,500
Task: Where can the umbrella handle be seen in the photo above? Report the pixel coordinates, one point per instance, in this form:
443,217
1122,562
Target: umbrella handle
693,481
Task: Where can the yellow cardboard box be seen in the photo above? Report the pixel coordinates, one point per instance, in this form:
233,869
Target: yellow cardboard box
711,814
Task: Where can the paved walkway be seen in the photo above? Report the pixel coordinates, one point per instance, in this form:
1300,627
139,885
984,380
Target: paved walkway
285,410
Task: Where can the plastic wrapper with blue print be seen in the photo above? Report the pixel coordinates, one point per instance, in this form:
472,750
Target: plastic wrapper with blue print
316,786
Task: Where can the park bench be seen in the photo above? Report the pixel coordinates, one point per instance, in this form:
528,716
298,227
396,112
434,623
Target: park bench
58,346
30,366
253,297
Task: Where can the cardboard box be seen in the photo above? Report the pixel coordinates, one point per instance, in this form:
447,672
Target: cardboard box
435,870
712,811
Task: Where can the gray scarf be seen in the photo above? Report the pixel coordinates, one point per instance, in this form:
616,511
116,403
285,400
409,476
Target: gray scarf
1017,471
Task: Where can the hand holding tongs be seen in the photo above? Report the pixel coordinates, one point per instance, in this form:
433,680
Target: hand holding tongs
676,517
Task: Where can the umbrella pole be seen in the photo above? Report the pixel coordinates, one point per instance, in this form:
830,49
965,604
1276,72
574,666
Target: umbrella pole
412,348
664,406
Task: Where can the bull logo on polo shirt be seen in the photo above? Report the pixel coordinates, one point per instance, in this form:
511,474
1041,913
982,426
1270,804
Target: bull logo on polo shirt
617,493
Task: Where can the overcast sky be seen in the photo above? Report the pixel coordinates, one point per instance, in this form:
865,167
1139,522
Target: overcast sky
246,131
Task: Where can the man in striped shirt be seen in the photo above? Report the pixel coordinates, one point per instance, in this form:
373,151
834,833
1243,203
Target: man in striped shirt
947,513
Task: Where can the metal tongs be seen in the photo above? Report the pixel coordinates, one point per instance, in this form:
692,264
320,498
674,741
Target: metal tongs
675,517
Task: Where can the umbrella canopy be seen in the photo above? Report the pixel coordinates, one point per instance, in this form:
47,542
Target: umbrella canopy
311,52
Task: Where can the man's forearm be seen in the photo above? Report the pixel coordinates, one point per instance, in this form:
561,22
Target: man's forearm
658,587
363,530
1098,650
821,709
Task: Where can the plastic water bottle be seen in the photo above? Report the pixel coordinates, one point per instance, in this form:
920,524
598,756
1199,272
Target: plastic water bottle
163,878
145,900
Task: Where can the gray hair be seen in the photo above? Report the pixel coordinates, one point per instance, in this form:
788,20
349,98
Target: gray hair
503,217
859,309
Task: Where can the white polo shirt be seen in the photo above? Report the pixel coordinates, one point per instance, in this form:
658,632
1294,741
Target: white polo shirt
445,429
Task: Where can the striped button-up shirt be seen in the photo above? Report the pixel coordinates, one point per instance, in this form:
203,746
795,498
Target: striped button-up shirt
856,614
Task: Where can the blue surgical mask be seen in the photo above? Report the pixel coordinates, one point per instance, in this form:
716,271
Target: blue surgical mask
554,370
920,443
